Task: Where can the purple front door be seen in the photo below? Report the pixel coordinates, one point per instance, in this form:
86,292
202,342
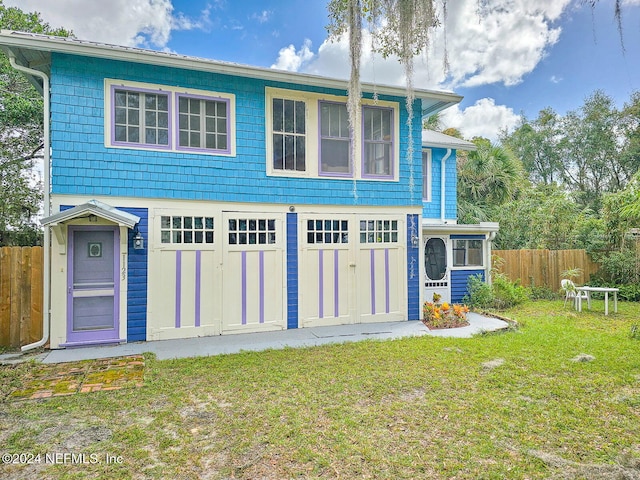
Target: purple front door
92,289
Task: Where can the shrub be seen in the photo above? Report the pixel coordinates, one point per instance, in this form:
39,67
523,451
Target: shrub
507,293
501,294
443,315
479,293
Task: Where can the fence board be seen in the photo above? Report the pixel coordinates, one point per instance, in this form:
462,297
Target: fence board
5,297
544,267
21,290
37,282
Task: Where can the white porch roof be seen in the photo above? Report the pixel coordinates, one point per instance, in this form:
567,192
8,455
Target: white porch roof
93,207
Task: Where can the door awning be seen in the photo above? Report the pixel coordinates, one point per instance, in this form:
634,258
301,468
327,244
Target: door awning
93,207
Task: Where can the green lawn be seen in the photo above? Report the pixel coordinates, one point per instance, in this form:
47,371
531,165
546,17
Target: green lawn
510,405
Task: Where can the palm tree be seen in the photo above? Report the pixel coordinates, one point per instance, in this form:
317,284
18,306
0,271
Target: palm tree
487,178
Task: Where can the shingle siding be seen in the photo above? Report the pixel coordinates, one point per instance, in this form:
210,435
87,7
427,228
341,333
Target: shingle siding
82,164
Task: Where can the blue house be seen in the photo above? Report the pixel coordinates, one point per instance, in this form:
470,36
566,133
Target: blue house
190,197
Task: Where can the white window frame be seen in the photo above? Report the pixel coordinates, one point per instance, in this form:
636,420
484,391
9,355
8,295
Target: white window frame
466,264
110,85
427,177
313,136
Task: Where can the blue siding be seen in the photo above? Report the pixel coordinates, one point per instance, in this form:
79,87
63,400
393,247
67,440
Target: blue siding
137,280
83,165
413,269
292,270
459,279
432,209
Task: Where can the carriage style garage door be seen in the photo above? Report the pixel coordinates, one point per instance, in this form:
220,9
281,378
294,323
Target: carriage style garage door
253,272
216,273
352,269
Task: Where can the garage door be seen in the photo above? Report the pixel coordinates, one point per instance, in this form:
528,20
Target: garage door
352,269
253,272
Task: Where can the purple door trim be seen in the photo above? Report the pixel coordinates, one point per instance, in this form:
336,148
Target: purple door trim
93,336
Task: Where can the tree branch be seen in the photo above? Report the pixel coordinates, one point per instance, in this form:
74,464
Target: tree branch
24,158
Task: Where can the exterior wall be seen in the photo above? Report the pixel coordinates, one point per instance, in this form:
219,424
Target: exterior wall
453,287
188,290
459,279
137,280
82,165
432,209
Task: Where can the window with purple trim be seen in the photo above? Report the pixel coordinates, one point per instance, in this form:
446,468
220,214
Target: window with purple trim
377,132
141,118
335,140
289,134
203,123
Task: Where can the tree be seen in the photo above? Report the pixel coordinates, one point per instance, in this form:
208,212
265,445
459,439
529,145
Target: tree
21,133
487,178
543,216
536,143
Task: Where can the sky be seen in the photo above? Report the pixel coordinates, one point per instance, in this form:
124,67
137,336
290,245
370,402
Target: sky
508,58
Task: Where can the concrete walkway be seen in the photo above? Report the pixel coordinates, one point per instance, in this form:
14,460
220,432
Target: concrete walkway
300,337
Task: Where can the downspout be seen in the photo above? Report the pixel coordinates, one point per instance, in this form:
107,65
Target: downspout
47,208
443,165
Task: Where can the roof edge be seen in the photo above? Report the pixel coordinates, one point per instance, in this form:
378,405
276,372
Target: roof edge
93,207
12,38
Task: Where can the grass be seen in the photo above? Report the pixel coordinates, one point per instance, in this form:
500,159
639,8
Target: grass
512,405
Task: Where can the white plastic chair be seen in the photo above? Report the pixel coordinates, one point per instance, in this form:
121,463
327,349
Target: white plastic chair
572,292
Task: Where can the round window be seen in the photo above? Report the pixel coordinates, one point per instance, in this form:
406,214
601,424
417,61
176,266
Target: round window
435,259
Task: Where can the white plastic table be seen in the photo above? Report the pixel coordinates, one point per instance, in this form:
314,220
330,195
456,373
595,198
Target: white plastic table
605,290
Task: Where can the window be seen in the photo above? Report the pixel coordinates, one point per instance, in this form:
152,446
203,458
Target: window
378,231
467,253
377,141
327,231
426,175
179,229
335,140
141,118
289,134
252,231
203,123
164,118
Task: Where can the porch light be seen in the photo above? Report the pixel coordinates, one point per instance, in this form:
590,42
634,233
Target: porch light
138,240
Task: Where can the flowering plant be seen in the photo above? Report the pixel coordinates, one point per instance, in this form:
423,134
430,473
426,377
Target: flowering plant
444,315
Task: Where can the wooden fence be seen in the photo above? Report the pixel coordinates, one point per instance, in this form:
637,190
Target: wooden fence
544,267
20,295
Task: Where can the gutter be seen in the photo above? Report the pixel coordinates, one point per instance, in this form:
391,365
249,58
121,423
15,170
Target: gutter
443,165
47,207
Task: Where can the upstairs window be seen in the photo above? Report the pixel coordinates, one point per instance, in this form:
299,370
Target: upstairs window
289,134
377,128
165,118
141,118
203,124
335,140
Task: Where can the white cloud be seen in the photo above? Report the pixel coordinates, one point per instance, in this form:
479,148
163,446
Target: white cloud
292,60
500,44
483,119
134,23
263,16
